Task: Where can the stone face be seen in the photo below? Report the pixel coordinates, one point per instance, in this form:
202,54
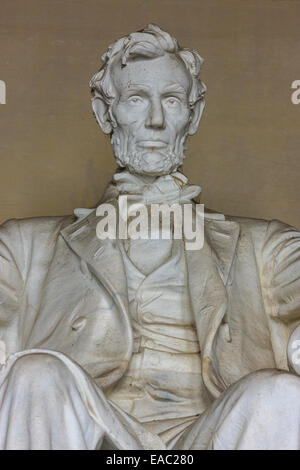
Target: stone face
137,343
149,95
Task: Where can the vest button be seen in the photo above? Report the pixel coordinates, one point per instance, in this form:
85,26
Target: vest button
79,323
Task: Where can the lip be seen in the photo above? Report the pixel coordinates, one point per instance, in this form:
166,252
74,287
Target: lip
154,144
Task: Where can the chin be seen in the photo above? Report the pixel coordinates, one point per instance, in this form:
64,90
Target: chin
151,171
151,164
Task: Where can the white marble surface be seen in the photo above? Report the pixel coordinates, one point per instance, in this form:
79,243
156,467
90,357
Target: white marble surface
96,333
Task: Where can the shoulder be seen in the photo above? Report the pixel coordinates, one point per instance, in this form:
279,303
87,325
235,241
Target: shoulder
29,229
25,240
262,226
249,224
37,224
271,236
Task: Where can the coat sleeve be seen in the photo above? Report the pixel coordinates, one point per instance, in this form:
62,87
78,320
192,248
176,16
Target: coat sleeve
12,283
280,284
281,271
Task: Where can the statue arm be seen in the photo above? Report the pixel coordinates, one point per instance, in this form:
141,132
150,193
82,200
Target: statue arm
12,282
280,284
281,271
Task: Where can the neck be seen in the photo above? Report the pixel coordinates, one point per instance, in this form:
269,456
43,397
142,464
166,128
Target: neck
145,178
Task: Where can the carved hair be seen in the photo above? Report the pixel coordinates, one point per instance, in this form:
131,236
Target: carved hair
149,43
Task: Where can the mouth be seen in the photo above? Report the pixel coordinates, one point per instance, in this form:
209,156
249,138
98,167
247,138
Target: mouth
152,144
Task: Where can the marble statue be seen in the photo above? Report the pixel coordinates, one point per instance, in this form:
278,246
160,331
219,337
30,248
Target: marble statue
140,343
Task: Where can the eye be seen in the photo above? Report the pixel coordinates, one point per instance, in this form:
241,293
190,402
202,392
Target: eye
135,100
172,101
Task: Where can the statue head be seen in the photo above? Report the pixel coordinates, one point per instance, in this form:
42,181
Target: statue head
148,96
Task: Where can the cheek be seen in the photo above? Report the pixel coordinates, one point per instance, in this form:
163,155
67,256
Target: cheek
179,121
126,116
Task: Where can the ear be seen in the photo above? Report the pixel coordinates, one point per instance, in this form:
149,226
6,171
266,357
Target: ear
196,116
100,109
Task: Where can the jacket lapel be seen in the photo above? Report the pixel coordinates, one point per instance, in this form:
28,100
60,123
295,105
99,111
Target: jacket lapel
103,258
208,270
208,274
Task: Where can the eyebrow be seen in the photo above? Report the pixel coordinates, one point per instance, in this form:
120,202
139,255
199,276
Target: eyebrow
135,86
175,87
171,88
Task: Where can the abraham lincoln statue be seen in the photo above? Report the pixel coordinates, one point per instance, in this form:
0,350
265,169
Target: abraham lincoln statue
141,343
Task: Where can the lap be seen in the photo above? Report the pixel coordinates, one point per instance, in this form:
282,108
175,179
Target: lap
59,379
259,411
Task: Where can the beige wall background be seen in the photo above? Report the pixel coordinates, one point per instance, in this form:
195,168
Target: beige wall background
245,156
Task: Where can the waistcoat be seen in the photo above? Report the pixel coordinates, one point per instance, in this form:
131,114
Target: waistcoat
162,386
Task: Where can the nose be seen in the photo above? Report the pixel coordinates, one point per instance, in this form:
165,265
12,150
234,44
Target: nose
156,117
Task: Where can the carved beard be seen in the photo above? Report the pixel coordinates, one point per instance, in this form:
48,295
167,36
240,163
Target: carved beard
136,161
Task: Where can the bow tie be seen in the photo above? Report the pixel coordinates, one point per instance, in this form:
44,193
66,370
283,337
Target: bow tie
168,189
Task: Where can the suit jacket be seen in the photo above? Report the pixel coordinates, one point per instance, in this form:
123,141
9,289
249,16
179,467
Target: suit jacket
63,289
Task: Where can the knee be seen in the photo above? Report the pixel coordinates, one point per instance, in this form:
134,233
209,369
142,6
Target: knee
40,368
268,385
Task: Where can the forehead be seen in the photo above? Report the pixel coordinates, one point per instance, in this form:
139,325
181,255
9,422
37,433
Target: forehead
152,73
